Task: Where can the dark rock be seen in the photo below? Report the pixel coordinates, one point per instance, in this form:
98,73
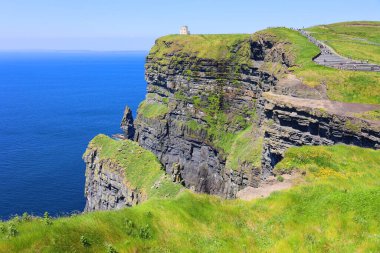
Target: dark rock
127,124
187,154
105,187
293,121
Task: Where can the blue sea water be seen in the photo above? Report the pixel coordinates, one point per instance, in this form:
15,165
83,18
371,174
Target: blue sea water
51,105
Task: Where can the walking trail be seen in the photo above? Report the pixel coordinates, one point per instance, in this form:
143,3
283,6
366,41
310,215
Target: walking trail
328,57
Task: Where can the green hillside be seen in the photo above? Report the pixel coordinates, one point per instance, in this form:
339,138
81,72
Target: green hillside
357,40
334,208
342,85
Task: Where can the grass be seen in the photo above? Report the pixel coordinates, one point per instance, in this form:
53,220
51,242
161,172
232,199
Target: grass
342,85
246,148
334,208
371,115
211,46
142,168
153,110
357,40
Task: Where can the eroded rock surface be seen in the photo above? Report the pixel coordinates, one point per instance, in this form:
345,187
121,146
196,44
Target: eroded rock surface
106,186
127,124
293,121
179,136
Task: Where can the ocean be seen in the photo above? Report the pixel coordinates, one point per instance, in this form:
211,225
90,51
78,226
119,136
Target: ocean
51,105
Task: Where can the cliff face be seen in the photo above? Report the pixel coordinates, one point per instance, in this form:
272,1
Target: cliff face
105,186
122,174
293,121
219,113
196,108
193,101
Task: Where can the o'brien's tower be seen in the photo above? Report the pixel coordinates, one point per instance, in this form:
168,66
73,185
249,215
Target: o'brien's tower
184,30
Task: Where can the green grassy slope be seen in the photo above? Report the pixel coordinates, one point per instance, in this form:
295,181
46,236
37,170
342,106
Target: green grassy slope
142,168
357,40
207,46
342,85
335,208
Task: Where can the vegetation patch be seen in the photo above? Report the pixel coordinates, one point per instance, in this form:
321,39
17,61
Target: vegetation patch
153,110
356,40
142,169
246,148
334,209
371,115
342,85
221,47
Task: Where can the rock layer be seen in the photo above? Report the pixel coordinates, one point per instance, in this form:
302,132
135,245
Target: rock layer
179,137
106,187
293,121
178,132
127,124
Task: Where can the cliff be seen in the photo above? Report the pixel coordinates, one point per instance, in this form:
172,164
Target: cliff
221,110
203,91
121,173
293,121
206,119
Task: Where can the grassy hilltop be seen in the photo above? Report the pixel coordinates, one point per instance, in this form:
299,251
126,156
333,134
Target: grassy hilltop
334,208
357,40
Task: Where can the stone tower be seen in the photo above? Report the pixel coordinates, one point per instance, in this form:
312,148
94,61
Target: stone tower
184,30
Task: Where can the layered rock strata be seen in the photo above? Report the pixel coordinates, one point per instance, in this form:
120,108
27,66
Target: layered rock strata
106,187
293,121
179,136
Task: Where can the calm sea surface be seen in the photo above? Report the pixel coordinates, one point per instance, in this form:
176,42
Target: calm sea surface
51,106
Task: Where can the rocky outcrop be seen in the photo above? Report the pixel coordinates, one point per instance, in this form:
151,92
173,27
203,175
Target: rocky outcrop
293,121
120,173
106,187
127,124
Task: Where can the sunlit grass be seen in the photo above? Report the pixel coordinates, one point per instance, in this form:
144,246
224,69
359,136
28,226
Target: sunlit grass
357,40
142,169
342,85
335,208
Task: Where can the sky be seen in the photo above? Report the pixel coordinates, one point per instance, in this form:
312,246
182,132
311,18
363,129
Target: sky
134,25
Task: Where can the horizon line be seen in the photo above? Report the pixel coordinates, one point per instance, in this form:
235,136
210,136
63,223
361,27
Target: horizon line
71,50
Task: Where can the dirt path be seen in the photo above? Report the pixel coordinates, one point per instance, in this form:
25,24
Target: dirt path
268,186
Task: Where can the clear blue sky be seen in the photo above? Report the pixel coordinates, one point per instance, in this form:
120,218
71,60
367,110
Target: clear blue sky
133,25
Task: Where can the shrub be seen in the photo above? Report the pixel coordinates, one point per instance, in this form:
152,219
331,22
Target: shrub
47,219
149,214
16,219
26,217
85,241
280,179
110,249
2,229
12,230
145,232
129,226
